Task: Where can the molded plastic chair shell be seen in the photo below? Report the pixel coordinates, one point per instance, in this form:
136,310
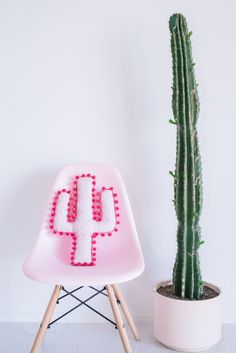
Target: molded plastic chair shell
119,257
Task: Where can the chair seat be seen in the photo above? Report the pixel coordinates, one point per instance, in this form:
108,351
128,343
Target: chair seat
118,257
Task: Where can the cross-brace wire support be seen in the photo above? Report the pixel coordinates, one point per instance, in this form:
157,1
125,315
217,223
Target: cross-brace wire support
82,302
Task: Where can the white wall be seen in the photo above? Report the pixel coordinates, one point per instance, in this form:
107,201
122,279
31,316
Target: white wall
90,81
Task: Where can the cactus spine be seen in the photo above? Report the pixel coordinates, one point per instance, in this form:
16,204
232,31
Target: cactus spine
187,279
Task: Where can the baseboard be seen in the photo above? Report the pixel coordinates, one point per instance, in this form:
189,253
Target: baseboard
87,318
229,319
82,317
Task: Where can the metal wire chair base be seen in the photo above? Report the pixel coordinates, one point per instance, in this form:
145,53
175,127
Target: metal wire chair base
82,302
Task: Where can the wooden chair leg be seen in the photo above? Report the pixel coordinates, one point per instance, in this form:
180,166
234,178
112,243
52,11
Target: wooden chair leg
118,319
46,319
126,311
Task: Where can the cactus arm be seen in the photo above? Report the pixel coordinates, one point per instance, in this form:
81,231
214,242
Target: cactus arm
60,220
187,184
108,222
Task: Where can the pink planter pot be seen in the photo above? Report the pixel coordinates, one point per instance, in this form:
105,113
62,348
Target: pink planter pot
184,325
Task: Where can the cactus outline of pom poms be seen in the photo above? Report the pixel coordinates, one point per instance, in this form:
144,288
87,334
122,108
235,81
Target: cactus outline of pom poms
96,214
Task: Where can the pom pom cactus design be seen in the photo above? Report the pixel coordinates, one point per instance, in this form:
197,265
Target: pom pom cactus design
84,214
187,176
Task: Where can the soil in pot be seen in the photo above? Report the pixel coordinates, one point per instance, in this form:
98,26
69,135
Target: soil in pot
168,291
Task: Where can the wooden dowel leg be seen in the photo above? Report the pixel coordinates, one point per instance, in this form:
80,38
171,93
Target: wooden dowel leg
46,319
126,311
118,319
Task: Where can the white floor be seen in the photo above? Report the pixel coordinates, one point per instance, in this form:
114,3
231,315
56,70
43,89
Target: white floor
92,338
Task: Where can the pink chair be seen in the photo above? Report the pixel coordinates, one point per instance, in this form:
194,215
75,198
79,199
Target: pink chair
87,238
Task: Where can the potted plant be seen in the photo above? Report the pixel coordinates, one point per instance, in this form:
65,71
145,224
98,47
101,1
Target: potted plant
186,310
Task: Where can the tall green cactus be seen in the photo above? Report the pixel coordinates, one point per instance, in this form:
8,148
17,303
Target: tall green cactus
187,176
